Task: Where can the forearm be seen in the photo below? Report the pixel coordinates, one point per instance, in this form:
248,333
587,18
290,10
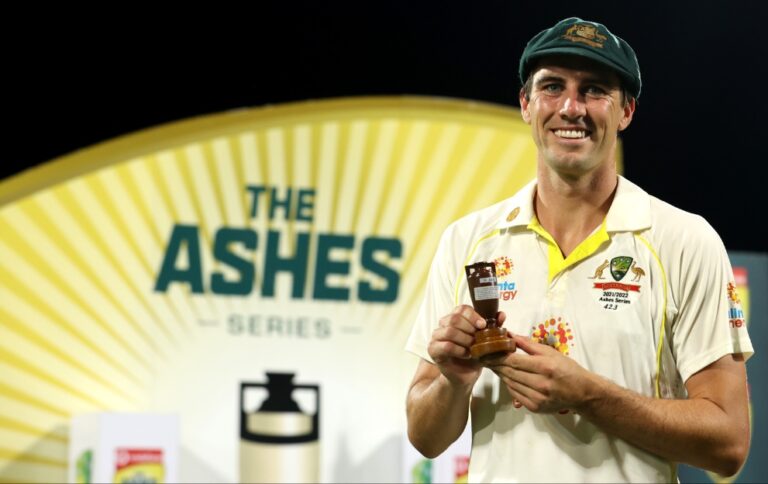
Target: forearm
695,431
437,413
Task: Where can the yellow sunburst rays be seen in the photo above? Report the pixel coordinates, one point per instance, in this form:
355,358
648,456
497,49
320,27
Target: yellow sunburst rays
58,319
490,165
114,234
141,209
196,201
326,175
377,184
231,191
303,143
329,159
156,192
173,177
354,148
50,271
279,160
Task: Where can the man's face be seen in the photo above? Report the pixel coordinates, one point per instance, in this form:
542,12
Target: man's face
575,111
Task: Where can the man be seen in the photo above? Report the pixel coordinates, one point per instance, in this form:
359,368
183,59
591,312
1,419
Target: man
627,361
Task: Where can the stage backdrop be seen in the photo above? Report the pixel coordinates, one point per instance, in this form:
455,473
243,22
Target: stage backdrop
255,272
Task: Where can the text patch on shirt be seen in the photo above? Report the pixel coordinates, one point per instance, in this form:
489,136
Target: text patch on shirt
617,282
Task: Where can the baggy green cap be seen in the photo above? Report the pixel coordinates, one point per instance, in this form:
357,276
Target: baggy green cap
574,36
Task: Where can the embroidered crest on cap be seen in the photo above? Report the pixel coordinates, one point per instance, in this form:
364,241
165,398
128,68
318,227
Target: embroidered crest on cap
586,34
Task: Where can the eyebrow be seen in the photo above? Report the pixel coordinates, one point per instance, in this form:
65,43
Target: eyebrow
546,79
587,80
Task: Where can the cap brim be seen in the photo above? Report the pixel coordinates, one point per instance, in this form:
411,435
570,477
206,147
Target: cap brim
589,54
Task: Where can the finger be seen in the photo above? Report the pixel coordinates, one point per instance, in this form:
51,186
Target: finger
501,316
523,397
528,379
465,318
522,362
531,347
454,335
469,313
442,350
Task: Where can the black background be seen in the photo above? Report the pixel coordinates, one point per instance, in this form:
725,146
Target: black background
698,139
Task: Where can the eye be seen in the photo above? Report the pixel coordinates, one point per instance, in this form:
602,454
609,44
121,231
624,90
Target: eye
594,90
552,88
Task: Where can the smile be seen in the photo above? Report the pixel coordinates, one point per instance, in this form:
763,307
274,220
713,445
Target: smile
570,133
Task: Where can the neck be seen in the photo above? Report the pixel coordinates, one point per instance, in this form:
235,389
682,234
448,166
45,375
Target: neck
572,208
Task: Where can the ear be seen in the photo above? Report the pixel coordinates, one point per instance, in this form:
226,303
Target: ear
629,111
524,104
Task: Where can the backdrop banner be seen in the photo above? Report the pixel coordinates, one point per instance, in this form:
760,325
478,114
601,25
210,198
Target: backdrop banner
254,273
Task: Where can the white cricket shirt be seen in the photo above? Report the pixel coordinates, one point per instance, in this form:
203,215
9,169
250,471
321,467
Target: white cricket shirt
647,300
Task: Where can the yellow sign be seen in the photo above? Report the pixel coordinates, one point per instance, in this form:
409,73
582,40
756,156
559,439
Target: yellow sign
162,270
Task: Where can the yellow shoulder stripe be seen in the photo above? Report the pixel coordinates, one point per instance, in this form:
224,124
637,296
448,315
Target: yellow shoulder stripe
663,328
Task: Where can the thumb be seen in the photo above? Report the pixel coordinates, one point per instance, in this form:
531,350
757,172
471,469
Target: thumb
501,316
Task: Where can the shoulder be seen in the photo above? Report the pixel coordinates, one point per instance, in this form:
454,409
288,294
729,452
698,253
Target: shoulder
673,224
481,223
683,240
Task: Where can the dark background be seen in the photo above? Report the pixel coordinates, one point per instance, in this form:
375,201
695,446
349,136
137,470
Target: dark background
697,141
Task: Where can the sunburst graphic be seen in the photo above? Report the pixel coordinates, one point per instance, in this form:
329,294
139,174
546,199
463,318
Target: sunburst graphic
82,240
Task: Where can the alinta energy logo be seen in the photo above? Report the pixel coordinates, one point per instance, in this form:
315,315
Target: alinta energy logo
504,267
735,313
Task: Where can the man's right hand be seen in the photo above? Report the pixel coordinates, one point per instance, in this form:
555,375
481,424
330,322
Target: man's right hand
449,347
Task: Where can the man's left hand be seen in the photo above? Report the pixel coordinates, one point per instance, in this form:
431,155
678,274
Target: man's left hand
542,379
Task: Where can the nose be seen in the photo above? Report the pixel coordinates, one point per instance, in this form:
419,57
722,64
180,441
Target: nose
573,106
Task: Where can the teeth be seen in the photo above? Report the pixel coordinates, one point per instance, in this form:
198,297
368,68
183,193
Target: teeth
570,133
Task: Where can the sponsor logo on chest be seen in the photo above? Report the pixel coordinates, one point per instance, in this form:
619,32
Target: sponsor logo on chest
507,285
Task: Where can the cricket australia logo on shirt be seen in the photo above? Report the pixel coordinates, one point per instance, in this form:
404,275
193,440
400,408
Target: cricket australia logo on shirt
616,295
507,288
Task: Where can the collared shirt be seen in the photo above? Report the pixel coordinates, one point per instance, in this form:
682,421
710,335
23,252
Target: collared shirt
647,300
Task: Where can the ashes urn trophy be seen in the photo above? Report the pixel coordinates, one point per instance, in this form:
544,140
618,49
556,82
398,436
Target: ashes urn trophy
492,341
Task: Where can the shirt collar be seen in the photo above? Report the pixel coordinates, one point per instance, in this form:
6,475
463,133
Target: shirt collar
630,209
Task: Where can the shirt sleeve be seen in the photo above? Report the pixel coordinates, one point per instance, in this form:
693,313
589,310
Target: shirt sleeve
709,323
438,299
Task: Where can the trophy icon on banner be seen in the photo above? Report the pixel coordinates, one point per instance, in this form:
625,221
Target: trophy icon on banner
278,440
483,289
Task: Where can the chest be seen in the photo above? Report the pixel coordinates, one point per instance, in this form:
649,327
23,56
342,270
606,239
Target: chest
605,306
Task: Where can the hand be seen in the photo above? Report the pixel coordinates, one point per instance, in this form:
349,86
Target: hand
449,347
543,380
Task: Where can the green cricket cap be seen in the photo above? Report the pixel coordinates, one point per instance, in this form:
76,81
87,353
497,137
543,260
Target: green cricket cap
574,36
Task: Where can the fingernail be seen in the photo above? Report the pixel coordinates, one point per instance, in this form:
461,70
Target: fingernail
480,323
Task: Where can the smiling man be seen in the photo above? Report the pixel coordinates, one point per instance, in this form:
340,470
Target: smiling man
626,360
